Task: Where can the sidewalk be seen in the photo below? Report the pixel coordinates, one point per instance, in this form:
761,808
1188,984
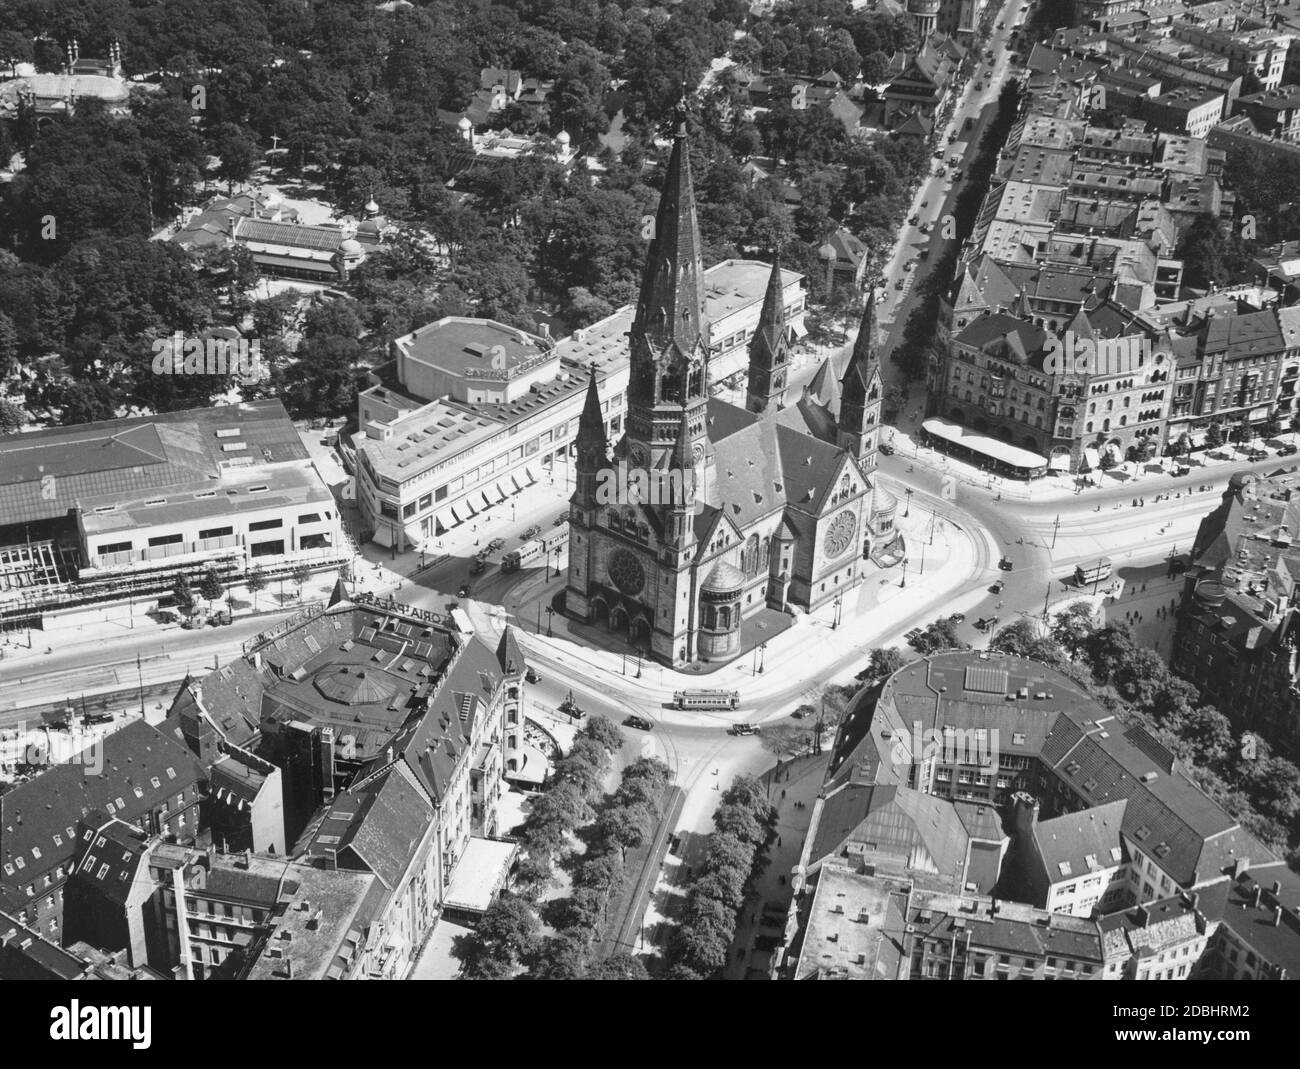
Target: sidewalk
1156,476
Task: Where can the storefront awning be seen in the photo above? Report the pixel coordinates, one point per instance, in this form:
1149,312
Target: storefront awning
487,501
798,329
1092,457
519,487
443,519
455,516
532,478
982,444
1059,462
501,494
467,507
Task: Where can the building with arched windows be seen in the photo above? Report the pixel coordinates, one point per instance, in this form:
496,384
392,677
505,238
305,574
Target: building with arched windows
737,509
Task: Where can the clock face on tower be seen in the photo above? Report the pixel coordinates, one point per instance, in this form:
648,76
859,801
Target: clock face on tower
839,535
626,572
637,456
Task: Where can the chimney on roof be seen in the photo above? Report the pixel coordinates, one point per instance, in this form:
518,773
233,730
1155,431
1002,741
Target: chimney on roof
248,859
288,967
1277,916
1256,896
1276,888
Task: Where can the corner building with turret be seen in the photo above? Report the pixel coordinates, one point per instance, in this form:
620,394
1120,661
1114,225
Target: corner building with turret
779,508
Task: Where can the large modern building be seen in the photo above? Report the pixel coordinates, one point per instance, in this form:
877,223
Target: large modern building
769,506
124,506
470,412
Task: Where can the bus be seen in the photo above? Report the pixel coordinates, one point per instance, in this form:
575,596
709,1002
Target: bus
706,699
1092,573
536,550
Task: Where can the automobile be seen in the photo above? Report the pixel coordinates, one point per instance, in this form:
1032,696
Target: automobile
914,220
954,159
899,284
531,676
563,517
1257,454
1183,469
913,633
1005,564
952,137
1287,450
925,204
532,532
886,448
463,592
495,544
939,171
882,297
798,714
1001,25
979,86
970,121
957,618
956,175
477,567
997,587
58,725
742,729
984,623
638,722
98,718
923,253
938,154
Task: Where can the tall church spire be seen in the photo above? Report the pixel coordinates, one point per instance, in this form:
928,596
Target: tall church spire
592,448
671,303
861,393
769,349
669,339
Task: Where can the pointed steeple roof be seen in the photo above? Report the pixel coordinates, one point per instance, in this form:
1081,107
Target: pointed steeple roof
340,593
670,307
510,654
862,364
822,388
772,329
591,424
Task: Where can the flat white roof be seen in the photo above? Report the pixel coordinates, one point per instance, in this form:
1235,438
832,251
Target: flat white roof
480,873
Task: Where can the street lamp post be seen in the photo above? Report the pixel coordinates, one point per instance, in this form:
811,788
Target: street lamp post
549,613
637,655
903,582
1097,581
907,511
539,617
1056,526
558,550
839,600
761,654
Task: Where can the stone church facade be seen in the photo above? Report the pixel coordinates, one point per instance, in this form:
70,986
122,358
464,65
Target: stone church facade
778,508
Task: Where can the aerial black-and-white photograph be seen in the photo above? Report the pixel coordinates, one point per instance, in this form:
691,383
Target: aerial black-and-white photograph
650,490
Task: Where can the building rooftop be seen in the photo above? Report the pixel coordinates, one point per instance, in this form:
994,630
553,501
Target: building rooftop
45,473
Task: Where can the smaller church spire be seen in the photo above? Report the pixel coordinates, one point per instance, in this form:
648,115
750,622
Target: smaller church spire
769,349
592,446
591,424
861,392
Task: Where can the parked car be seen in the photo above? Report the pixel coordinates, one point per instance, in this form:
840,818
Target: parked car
98,718
530,674
495,544
742,729
913,633
925,228
956,617
463,592
477,567
985,623
1257,454
1005,564
938,154
970,121
532,532
899,284
887,449
638,722
1286,450
563,517
798,714
1183,469
956,175
914,220
997,587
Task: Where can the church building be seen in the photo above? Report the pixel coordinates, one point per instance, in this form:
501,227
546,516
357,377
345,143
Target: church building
773,505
